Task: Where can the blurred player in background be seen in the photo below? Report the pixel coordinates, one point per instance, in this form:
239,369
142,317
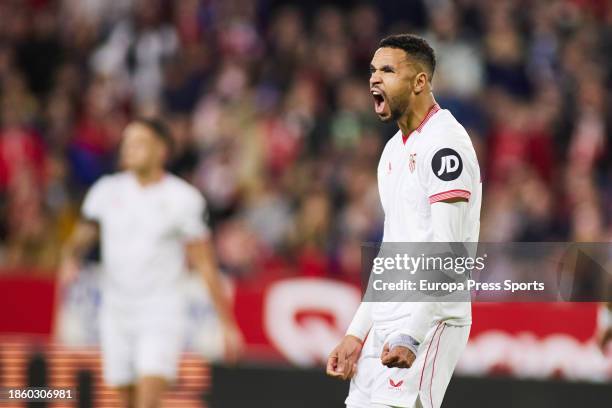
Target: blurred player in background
430,189
148,222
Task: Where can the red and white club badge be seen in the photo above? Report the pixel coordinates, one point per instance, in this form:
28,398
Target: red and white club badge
412,162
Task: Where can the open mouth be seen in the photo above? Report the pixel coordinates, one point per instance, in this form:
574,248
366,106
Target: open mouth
379,101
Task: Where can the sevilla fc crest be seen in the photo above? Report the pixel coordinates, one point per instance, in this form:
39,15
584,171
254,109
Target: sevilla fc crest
412,162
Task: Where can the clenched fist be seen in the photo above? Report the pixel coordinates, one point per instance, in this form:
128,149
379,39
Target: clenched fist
342,361
399,356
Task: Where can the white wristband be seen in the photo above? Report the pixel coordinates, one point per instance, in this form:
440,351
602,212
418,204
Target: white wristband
404,340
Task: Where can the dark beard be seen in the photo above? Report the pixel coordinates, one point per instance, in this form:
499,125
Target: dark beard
396,113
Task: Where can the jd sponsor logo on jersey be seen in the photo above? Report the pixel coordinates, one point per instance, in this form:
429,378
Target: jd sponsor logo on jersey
446,164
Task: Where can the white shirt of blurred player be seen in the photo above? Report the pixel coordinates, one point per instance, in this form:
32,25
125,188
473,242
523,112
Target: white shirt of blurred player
143,231
435,162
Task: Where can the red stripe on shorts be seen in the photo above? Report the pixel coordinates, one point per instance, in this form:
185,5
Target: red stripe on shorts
433,369
427,353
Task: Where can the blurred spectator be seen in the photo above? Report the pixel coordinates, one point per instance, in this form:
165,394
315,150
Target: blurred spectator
459,65
97,132
134,52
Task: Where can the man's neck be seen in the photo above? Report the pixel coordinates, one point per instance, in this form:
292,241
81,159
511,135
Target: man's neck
414,117
146,178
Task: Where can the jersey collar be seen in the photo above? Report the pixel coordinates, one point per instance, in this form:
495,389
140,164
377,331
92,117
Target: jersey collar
432,111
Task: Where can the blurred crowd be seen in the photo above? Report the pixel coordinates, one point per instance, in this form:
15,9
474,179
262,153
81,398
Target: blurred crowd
269,105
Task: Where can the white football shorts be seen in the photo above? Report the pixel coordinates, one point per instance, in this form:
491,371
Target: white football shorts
141,342
422,385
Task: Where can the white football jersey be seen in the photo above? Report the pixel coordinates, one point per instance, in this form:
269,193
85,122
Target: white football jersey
435,162
143,230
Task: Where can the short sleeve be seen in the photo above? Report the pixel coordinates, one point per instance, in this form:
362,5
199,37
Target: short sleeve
192,216
94,202
447,172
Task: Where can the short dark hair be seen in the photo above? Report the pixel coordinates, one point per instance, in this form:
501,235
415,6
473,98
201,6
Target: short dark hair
415,46
159,129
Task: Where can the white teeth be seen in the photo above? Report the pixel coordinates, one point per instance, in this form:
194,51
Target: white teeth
376,93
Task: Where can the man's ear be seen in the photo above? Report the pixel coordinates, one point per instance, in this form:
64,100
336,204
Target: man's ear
420,82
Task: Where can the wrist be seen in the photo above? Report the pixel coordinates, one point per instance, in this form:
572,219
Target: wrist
354,338
403,340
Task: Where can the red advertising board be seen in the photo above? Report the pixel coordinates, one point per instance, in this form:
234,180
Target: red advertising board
298,320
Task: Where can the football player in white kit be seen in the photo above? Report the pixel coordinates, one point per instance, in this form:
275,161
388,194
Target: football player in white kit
402,354
148,222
